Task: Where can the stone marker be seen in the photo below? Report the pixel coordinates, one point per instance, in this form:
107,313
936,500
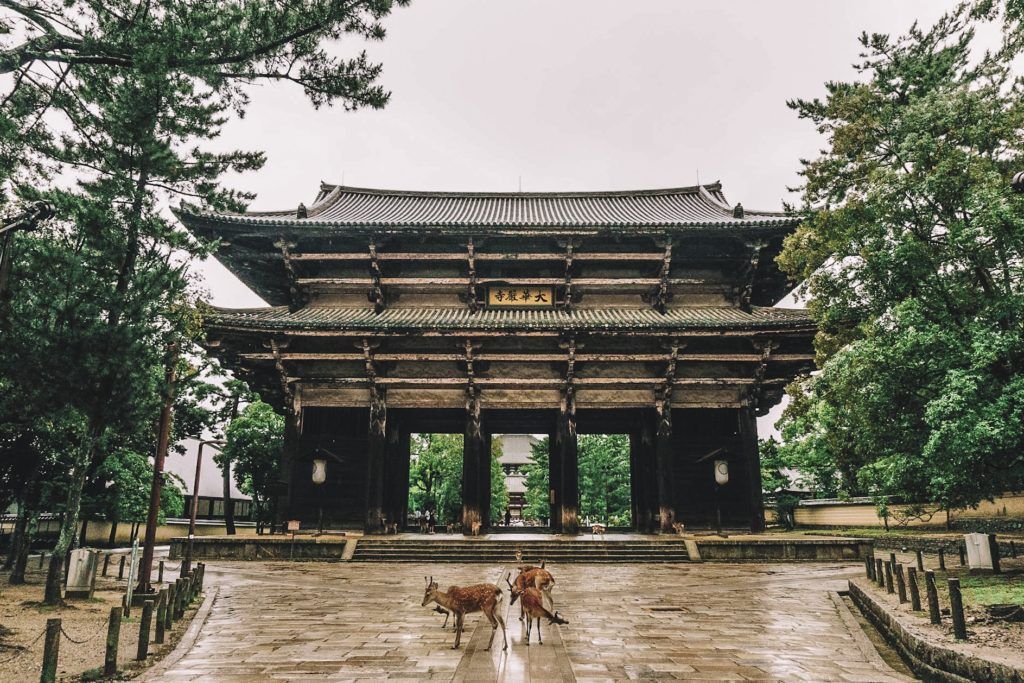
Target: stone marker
81,573
979,552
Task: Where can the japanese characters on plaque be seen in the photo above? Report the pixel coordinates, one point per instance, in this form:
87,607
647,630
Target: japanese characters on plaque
507,296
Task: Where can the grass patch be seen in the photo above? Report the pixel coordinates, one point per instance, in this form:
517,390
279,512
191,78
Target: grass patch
993,590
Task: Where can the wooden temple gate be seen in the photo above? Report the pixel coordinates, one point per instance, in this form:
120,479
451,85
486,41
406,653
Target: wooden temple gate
393,313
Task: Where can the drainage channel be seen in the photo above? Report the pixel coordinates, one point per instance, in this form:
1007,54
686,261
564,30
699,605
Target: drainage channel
887,652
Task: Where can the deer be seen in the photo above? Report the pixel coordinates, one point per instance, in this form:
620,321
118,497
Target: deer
679,528
475,528
532,603
481,597
596,529
535,577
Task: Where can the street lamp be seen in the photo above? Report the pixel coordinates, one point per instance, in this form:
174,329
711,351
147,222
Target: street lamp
721,479
1017,184
186,562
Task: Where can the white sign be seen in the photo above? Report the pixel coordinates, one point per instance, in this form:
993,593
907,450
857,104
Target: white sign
979,554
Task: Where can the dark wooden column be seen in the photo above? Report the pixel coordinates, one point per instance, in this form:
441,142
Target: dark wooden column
473,448
396,475
665,468
751,460
643,475
484,487
555,481
569,456
376,461
290,454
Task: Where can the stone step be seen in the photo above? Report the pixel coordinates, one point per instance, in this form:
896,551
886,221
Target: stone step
554,551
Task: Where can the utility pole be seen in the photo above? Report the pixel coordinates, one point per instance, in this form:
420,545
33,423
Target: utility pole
163,441
186,562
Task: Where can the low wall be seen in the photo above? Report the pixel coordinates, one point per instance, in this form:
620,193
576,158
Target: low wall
784,550
98,533
862,512
932,661
262,548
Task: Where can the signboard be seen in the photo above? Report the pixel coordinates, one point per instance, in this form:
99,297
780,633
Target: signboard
522,296
293,525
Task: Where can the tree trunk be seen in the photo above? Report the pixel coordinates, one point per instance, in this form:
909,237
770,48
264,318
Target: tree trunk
69,523
20,553
84,533
17,534
112,538
229,505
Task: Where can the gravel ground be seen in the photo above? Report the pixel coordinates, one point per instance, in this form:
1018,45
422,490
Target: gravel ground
23,620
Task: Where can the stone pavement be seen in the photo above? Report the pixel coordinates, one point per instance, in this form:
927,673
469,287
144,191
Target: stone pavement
712,622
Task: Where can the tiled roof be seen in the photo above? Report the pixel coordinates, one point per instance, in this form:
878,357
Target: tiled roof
338,206
418,319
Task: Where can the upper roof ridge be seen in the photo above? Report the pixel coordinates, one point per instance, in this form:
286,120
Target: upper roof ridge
327,189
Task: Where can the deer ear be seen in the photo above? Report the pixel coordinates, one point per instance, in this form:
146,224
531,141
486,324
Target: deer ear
542,564
426,580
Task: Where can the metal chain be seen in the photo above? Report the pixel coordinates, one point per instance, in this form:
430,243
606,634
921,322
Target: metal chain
24,650
79,642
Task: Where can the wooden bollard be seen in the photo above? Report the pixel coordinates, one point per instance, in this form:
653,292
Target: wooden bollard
51,648
868,566
172,595
161,616
106,563
41,556
1013,549
942,559
202,575
901,584
933,597
113,639
915,593
145,626
888,577
963,553
956,609
920,561
993,548
179,595
120,569
879,573
160,572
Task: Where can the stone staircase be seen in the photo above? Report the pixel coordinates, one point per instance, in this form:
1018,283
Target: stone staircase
383,549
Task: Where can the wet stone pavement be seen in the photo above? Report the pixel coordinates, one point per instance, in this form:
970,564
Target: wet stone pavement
711,622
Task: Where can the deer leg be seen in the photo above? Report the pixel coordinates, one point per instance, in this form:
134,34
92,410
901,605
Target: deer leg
529,624
540,638
521,612
445,624
504,637
458,630
494,627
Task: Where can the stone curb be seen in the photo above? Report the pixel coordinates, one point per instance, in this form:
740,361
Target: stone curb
867,649
931,660
186,642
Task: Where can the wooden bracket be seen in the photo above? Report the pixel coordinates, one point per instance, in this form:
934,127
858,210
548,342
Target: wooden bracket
378,403
664,405
750,272
765,348
567,282
662,295
376,293
471,296
296,295
286,387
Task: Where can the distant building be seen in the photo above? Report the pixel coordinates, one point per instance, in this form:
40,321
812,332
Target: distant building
211,483
516,451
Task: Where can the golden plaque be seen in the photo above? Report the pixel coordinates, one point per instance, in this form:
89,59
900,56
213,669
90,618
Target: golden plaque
505,296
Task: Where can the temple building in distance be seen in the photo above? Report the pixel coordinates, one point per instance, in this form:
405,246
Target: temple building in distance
646,313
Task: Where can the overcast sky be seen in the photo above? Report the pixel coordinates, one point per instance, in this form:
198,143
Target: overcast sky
569,95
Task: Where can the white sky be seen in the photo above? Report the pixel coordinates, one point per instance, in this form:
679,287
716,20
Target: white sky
570,95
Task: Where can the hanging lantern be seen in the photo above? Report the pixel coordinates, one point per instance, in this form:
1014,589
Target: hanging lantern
319,470
721,472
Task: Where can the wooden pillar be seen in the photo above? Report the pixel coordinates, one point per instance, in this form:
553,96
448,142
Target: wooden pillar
569,455
555,481
376,454
665,468
473,446
396,476
290,454
634,468
751,461
484,487
646,498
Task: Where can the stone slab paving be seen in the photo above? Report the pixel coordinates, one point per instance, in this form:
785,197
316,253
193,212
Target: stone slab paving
363,621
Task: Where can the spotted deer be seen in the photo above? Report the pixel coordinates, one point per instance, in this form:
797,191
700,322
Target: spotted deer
474,528
534,577
482,597
531,600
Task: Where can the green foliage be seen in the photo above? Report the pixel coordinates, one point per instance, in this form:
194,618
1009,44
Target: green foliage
538,506
119,490
255,445
605,494
435,477
912,254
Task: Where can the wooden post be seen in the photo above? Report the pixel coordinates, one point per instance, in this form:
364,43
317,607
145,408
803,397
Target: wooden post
126,607
172,597
963,553
145,626
920,561
472,454
106,563
113,639
179,593
202,575
161,616
956,609
160,572
51,650
993,548
879,572
120,569
888,577
942,559
484,487
41,556
665,467
569,457
868,566
901,584
1013,549
752,462
915,593
933,597
554,481
376,452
